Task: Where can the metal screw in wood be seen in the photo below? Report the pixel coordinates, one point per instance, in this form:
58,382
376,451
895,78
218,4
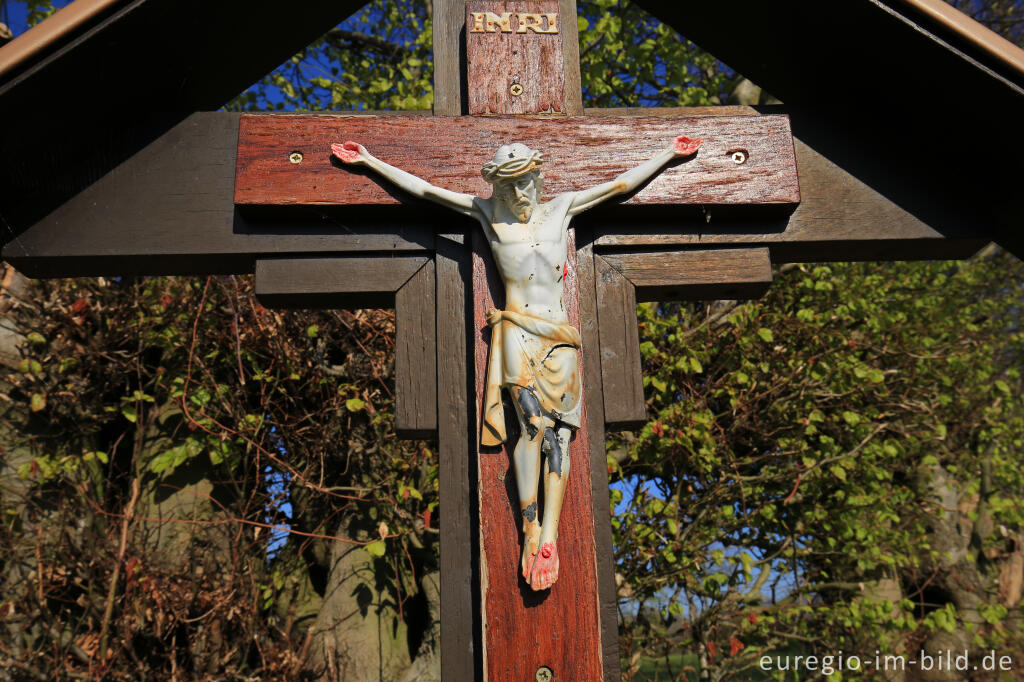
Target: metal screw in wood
295,157
516,89
739,156
545,674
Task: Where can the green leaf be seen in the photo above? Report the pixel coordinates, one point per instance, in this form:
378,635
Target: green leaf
851,418
168,460
89,456
38,402
36,337
765,334
838,471
312,331
354,404
376,548
129,414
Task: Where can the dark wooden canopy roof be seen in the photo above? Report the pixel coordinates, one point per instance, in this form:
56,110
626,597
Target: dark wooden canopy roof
923,108
87,97
926,110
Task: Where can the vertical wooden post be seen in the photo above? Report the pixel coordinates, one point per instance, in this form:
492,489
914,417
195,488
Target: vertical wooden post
607,596
459,605
572,628
450,90
524,630
448,19
415,356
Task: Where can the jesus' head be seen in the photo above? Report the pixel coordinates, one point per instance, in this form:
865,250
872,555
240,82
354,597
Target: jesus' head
515,174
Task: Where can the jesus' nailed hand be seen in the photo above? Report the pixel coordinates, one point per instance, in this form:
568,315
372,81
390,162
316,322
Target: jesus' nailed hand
534,349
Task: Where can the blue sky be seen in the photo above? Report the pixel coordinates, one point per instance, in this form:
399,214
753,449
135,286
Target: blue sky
15,14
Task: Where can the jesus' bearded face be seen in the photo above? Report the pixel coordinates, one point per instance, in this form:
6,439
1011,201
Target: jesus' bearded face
520,195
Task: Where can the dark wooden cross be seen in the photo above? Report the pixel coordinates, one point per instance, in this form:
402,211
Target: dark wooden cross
515,68
222,193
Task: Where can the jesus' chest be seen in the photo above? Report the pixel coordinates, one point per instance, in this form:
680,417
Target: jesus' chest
530,256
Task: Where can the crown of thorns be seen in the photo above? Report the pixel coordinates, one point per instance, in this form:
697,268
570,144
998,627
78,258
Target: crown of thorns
510,161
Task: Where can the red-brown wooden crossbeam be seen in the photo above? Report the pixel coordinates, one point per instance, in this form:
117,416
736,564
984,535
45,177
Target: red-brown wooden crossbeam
743,161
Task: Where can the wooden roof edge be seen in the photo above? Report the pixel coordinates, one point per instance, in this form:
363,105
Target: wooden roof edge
51,32
69,20
976,34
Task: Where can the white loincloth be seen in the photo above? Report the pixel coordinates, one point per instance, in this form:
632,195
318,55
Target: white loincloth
536,354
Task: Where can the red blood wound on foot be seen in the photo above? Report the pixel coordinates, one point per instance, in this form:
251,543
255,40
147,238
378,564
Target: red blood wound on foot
546,552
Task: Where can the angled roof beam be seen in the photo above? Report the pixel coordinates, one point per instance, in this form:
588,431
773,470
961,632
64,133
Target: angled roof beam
91,94
910,107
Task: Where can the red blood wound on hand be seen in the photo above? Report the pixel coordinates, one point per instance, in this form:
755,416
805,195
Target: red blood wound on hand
347,152
686,146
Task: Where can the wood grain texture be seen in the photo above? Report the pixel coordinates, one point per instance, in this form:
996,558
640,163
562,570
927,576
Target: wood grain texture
523,630
338,282
839,218
605,552
497,60
578,153
621,372
416,356
694,275
672,112
460,604
571,58
449,17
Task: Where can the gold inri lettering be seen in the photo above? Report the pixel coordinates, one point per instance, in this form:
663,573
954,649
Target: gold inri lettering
489,22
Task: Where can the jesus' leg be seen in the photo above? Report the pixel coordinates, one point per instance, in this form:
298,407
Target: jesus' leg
556,479
526,463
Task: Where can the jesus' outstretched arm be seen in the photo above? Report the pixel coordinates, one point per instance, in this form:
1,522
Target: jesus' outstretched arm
633,178
356,154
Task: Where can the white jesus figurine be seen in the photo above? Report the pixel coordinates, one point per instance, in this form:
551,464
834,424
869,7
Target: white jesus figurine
533,347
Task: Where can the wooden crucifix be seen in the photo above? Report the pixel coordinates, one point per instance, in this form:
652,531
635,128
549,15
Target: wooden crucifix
534,286
220,193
